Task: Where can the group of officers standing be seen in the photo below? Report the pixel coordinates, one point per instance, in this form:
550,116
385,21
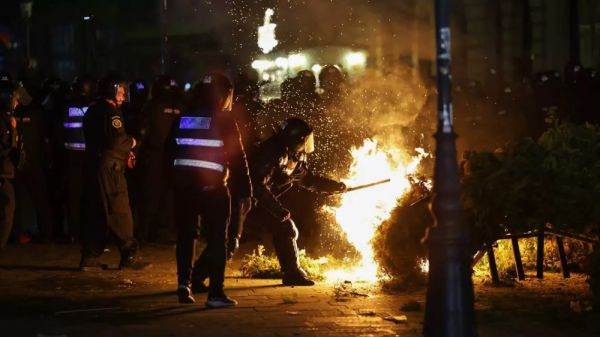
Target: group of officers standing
191,143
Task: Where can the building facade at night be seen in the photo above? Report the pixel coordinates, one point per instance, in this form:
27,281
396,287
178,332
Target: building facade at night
493,38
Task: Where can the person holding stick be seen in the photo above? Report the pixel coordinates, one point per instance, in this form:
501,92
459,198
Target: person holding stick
278,164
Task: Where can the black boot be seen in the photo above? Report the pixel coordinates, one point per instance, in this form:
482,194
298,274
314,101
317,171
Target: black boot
184,294
287,253
130,261
297,278
220,300
89,263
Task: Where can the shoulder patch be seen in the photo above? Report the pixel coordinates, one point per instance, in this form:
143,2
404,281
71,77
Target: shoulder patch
116,123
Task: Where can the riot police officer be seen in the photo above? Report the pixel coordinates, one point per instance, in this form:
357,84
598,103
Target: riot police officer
206,148
331,81
163,108
8,151
277,164
107,151
74,145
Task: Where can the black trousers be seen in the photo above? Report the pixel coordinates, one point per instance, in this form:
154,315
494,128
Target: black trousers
7,210
74,193
285,241
211,209
32,181
285,237
107,210
152,200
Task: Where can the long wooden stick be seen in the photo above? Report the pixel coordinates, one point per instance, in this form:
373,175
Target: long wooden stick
360,187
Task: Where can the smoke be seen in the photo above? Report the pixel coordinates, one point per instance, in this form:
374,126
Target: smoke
392,105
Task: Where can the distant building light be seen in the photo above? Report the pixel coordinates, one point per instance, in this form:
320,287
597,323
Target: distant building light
356,59
262,65
187,86
296,61
281,62
87,18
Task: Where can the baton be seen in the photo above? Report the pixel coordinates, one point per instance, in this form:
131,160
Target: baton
360,187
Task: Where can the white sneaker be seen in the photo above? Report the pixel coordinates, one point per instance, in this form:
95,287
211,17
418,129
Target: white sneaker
215,302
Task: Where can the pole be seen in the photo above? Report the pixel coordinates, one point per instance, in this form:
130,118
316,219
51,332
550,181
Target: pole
26,11
164,35
574,43
28,33
449,310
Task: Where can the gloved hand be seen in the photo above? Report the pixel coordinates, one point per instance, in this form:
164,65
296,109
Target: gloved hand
342,187
131,160
338,188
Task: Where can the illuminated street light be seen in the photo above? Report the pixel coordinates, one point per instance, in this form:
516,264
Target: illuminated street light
266,33
356,59
297,61
262,65
282,62
316,69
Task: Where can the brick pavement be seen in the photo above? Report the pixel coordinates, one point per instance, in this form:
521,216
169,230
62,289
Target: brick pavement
42,294
49,298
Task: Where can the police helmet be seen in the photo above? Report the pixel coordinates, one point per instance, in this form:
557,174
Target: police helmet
331,75
163,85
307,80
298,135
138,91
7,92
108,85
212,90
82,85
5,77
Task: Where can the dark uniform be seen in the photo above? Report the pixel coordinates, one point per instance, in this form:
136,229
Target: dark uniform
277,165
8,150
74,145
107,208
30,179
160,113
206,147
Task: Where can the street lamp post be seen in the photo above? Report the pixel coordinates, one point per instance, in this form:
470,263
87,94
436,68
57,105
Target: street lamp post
26,9
164,36
449,309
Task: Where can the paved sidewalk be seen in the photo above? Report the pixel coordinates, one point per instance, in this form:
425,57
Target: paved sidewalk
48,297
42,294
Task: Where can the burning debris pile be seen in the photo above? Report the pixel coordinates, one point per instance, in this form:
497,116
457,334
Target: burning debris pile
360,213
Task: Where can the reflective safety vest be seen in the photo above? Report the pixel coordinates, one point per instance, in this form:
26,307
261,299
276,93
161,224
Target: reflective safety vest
73,128
199,145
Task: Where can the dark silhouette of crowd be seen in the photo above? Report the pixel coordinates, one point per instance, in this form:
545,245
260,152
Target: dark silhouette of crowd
48,175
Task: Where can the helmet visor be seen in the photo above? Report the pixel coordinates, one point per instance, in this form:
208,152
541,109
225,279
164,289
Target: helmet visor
309,144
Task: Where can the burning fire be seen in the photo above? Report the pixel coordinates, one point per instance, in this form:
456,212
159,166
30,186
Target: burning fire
361,212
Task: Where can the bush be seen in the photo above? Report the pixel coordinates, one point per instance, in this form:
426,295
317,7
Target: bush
530,184
555,180
397,242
